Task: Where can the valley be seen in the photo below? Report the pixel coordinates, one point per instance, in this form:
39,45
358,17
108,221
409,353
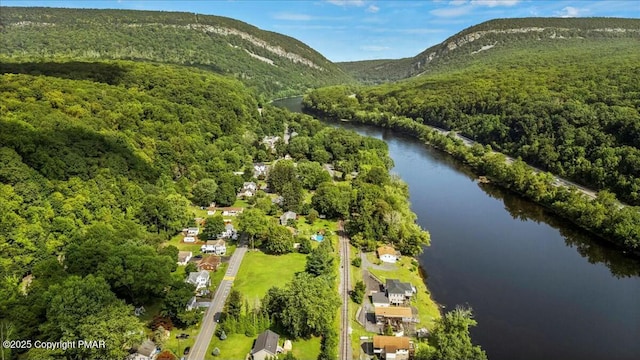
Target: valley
153,194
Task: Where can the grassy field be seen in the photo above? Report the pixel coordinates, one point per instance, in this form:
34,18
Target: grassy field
237,346
260,271
428,310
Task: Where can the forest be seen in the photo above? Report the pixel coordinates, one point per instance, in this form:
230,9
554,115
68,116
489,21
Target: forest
213,43
101,163
572,112
477,43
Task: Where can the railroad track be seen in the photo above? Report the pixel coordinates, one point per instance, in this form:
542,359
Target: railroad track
345,343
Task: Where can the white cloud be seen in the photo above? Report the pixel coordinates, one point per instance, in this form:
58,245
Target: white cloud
457,2
347,2
292,16
373,9
451,12
571,11
374,48
494,3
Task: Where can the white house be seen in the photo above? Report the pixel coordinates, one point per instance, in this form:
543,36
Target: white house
189,239
229,211
248,189
191,304
218,247
200,279
387,254
229,232
260,170
184,257
193,231
379,299
398,292
145,351
392,347
289,215
266,346
270,141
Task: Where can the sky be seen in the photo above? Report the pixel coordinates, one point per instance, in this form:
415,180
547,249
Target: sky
350,30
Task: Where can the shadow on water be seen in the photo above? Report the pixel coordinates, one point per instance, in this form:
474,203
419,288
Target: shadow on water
620,263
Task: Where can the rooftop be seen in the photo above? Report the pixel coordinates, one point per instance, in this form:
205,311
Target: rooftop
391,342
268,341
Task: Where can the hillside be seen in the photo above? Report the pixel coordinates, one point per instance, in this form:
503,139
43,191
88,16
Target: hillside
473,43
571,109
273,64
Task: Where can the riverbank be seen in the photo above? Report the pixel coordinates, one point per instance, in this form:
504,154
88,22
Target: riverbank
602,216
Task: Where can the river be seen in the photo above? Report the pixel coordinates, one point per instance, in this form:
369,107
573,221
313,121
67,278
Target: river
539,287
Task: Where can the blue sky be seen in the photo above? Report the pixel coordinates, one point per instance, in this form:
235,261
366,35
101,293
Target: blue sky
347,30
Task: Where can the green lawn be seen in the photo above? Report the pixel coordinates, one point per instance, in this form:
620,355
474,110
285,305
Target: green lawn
260,271
235,346
428,310
306,349
306,229
177,346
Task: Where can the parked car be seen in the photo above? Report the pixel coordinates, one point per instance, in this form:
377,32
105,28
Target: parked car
187,350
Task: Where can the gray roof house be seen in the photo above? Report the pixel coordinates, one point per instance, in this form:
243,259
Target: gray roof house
145,351
289,215
266,346
398,291
199,278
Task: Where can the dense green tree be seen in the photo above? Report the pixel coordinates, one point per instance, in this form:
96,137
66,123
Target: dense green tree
305,307
176,297
292,195
204,192
450,339
279,240
321,260
214,225
255,223
282,173
312,174
226,194
333,200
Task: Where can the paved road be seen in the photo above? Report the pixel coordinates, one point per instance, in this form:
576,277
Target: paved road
557,181
209,322
345,286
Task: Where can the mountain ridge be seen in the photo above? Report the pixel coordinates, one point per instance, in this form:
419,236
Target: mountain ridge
485,36
271,63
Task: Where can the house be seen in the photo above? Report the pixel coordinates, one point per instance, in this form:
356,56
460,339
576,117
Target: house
193,231
392,347
218,247
199,278
209,263
145,351
229,232
266,346
184,257
191,304
270,142
139,310
379,299
189,239
397,313
398,292
277,200
388,254
260,170
289,215
229,211
248,189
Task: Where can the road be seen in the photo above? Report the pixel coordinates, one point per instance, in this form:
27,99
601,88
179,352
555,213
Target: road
557,181
212,315
345,286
